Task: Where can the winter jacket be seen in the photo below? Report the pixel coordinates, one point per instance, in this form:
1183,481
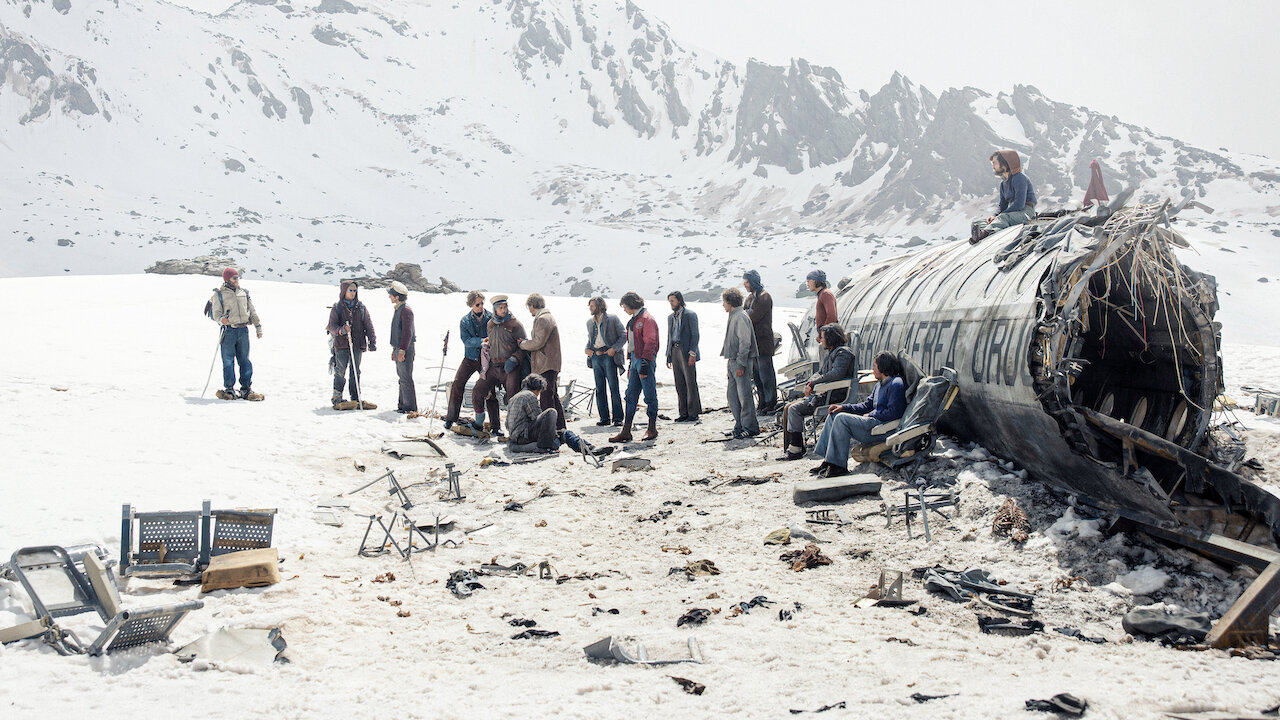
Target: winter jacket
837,365
642,337
236,304
543,343
825,314
739,340
357,316
887,402
759,307
615,337
473,330
402,334
1015,193
686,335
504,338
522,411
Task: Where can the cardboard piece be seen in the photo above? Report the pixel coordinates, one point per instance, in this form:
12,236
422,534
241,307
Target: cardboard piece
247,568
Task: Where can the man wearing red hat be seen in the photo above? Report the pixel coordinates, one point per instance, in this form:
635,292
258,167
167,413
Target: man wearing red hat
232,308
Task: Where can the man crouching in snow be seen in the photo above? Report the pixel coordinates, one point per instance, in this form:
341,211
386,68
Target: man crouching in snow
232,308
529,427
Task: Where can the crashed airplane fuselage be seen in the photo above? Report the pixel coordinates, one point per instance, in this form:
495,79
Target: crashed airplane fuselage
1084,349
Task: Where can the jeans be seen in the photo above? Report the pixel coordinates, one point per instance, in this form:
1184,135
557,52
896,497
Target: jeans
235,349
649,385
739,394
1009,219
688,399
408,401
607,387
842,432
550,398
766,381
798,410
342,368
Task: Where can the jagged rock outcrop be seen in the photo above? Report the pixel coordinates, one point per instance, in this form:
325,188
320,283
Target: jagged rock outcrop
202,265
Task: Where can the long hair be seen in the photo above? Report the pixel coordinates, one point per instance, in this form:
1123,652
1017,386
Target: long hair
834,335
679,296
632,300
888,364
599,303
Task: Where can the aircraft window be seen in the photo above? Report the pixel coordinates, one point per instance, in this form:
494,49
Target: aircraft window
973,278
1139,413
1177,422
1107,405
943,282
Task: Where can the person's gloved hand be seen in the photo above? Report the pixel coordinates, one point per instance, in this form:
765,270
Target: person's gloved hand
372,349
511,364
259,332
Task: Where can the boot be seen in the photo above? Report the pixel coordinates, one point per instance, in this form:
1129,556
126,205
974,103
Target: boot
652,432
337,398
226,394
792,445
625,435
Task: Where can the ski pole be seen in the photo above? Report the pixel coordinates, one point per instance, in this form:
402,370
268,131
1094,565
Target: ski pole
217,350
435,394
355,369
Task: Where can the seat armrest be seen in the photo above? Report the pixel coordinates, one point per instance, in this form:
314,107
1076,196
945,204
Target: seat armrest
910,433
826,387
885,428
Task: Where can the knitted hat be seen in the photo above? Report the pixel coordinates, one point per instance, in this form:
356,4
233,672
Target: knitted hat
817,276
229,273
498,299
398,288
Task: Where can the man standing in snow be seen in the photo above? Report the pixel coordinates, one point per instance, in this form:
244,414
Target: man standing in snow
739,352
1017,197
232,308
824,312
500,359
759,307
402,345
543,347
606,350
642,349
473,329
350,326
683,355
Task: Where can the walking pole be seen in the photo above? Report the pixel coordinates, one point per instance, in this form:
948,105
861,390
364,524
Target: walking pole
435,394
217,350
355,369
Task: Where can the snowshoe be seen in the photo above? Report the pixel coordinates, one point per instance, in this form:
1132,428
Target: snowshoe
248,394
226,394
346,405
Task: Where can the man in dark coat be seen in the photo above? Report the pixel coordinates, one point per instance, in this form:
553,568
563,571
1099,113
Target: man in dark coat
473,328
683,355
606,356
759,307
500,357
349,323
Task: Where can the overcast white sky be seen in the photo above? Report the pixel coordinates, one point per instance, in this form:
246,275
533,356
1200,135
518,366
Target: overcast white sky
1207,73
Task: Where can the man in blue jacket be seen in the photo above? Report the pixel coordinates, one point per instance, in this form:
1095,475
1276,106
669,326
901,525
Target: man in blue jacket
1017,197
473,329
606,354
853,423
682,356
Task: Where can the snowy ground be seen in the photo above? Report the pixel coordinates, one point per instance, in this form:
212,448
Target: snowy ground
101,389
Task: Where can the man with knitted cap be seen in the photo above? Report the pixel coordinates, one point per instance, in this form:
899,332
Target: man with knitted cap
232,308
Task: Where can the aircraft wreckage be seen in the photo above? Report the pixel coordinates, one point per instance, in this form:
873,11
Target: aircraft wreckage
1086,352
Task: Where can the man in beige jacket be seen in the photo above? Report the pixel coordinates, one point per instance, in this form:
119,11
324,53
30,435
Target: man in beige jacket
544,354
232,308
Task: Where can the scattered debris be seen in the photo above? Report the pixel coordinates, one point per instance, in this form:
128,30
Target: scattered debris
396,488
1011,521
239,646
922,698
1170,627
744,608
540,523
462,583
781,536
745,480
522,622
696,568
700,481
681,549
246,568
513,507
656,517
837,706
885,593
596,611
622,489
784,615
829,490
608,649
809,557
1061,703
1008,626
403,613
975,584
1075,633
904,641
691,687
695,616
385,577
632,464
532,634
827,516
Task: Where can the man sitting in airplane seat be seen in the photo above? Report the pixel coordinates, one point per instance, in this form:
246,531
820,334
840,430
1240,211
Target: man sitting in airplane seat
852,423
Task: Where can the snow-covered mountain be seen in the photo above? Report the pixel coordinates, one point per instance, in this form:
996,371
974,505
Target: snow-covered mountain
569,146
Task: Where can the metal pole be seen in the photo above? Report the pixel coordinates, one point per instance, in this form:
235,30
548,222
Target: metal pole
217,350
435,394
355,368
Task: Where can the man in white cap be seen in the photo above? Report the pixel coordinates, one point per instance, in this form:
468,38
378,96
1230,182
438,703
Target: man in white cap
232,308
402,345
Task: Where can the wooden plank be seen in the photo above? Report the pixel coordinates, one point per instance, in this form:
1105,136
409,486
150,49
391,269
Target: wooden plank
1246,623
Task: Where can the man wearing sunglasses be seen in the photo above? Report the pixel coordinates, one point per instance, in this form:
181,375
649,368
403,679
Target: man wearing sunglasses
473,329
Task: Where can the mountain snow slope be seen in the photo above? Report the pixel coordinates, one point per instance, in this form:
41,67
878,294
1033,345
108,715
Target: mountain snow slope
570,146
